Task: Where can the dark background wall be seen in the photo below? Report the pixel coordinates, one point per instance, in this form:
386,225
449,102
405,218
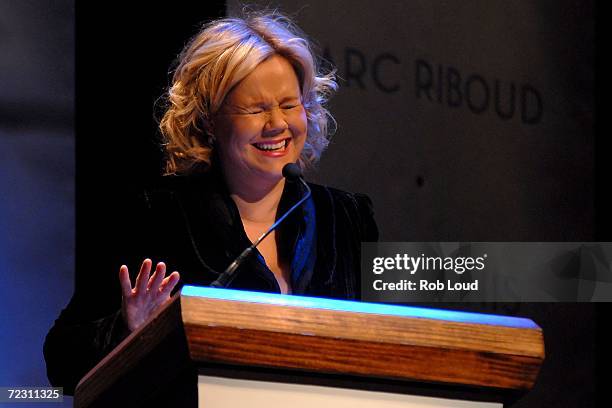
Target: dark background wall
36,180
435,172
478,113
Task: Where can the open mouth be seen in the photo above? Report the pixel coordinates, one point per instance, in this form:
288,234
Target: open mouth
272,147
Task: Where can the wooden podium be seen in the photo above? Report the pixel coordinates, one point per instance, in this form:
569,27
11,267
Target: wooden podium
227,348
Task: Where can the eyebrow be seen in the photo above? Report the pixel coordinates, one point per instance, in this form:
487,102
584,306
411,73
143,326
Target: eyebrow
290,98
259,103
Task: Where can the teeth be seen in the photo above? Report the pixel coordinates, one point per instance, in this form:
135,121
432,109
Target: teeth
267,146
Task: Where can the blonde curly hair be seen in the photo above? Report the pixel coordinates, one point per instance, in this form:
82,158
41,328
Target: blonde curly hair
223,53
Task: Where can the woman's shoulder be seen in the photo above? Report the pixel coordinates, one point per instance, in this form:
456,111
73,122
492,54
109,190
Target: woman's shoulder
339,196
355,208
164,190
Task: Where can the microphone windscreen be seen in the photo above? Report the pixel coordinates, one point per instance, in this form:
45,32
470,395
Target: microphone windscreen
292,171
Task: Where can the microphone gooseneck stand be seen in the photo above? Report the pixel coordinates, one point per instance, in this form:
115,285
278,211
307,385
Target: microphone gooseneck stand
291,172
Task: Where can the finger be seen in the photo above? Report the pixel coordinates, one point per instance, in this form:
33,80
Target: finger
143,276
157,278
169,283
124,280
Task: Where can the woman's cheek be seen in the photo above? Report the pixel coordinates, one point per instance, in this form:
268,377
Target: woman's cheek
303,125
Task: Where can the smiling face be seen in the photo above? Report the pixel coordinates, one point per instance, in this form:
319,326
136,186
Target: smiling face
261,125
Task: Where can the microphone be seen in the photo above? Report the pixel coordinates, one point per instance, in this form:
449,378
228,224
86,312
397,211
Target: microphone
291,172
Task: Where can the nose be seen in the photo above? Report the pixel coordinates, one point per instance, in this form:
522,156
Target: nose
276,122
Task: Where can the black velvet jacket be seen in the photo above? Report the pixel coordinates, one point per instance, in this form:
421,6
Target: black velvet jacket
193,225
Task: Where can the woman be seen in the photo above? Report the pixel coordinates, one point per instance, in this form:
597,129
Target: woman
246,100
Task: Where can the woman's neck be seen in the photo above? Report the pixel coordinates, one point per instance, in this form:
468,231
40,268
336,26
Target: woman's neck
258,203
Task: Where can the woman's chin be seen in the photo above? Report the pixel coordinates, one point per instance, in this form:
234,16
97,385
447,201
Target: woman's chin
273,169
273,173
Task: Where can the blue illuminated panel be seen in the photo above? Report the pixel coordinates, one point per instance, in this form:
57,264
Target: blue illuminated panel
359,307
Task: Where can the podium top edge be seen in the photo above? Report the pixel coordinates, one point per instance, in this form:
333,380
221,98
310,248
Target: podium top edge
357,307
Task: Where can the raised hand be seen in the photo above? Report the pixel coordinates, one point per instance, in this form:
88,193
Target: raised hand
148,293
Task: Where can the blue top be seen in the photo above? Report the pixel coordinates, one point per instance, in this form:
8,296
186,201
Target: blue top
360,307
